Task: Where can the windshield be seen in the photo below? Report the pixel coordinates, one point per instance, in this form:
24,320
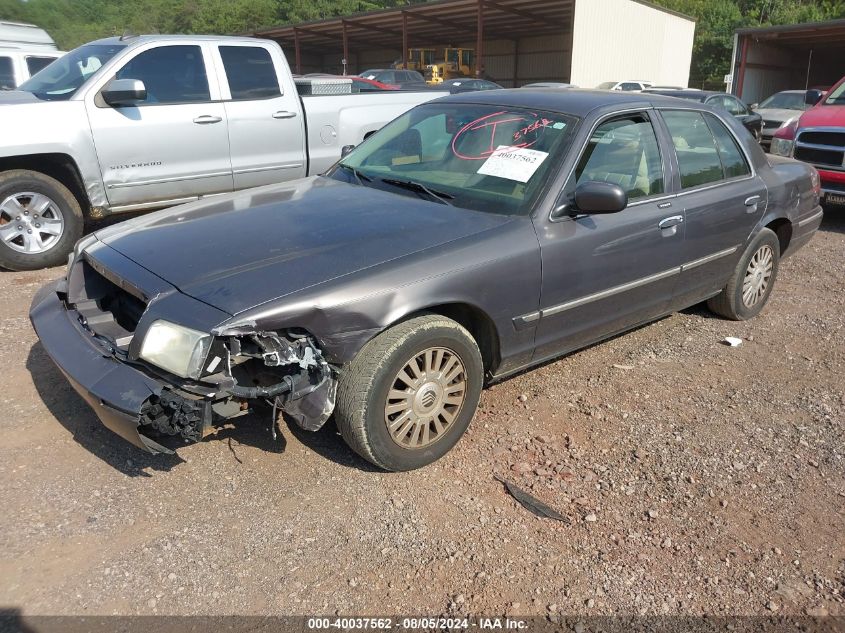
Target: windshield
483,157
607,85
61,79
837,95
784,101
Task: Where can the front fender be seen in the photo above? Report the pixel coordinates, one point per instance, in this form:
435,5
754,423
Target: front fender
56,128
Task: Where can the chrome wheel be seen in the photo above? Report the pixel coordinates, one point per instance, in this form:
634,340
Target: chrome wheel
425,398
757,276
30,223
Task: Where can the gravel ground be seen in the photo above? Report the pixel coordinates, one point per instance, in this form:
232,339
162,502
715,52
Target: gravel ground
695,478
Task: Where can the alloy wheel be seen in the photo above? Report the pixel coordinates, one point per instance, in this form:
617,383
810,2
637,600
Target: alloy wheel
30,223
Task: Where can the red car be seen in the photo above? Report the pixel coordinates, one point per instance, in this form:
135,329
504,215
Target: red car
818,138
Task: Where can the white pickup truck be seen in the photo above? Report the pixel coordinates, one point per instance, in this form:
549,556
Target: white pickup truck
129,124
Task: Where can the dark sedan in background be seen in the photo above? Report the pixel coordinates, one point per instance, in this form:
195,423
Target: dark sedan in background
752,121
467,84
471,238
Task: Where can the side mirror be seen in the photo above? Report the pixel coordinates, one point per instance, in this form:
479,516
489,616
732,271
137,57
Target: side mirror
346,150
124,92
813,96
754,106
600,197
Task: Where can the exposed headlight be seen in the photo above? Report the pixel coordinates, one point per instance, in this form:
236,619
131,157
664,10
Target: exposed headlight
179,350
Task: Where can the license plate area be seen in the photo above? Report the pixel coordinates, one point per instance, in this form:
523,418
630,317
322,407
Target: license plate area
835,199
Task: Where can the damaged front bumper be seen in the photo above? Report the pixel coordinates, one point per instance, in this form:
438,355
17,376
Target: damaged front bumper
152,414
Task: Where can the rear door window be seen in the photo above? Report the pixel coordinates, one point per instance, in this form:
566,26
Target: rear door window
624,151
250,72
7,73
171,74
695,147
733,160
37,64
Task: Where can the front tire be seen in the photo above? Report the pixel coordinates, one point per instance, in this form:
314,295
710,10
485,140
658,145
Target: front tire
40,220
410,393
750,286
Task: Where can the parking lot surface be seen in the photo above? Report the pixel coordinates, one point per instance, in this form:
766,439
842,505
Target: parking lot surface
696,478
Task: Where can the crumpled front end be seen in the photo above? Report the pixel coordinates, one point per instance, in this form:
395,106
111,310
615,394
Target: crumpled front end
93,324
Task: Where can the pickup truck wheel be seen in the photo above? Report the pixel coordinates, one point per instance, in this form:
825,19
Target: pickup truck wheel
40,220
752,281
409,395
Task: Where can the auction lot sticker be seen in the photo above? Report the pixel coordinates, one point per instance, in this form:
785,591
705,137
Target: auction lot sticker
513,163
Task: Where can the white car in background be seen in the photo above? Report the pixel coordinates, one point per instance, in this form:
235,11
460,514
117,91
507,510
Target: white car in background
25,49
17,65
779,110
631,85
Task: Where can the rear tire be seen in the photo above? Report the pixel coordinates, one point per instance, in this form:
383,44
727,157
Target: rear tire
410,393
40,220
751,283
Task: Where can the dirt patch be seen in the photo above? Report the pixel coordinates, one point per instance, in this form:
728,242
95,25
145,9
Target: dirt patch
697,479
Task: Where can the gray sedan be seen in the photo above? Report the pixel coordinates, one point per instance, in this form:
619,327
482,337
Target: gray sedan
471,238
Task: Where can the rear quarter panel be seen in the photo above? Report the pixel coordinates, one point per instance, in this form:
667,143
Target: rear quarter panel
791,197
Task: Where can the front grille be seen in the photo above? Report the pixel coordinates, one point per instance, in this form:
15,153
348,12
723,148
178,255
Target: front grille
833,138
105,308
819,157
824,148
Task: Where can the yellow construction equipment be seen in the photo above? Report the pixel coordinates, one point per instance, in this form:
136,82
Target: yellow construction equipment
418,59
457,62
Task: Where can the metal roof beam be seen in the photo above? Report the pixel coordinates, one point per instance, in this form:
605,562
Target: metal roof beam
521,13
331,36
376,29
457,26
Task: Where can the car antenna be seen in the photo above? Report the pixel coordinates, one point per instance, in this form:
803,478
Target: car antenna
127,35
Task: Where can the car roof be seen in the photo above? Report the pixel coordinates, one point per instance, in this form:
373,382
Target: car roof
695,95
131,40
574,101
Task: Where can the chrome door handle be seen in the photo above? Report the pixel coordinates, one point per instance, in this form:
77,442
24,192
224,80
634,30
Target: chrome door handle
206,119
752,201
284,114
668,223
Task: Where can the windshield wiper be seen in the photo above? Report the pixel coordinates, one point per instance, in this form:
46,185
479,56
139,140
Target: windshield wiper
418,186
358,175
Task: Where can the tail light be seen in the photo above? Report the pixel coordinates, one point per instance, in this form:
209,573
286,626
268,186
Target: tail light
783,141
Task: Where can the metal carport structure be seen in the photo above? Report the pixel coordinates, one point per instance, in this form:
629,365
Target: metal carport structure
791,57
518,41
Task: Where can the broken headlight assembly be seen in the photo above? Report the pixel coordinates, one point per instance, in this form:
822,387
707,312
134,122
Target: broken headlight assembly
234,372
175,348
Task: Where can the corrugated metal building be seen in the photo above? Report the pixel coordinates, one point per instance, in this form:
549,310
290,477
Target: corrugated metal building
793,57
585,42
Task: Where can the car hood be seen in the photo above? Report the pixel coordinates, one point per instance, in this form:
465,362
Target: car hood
778,114
241,250
824,115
